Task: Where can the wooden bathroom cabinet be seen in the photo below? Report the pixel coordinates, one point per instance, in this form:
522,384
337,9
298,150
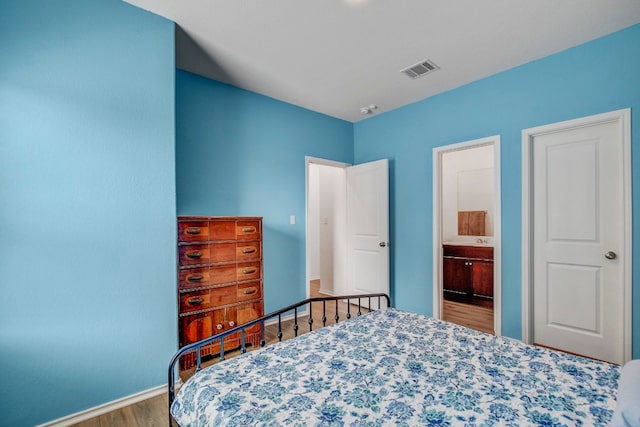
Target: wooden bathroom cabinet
468,274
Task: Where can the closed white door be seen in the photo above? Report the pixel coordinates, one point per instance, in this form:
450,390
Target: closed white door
368,228
578,225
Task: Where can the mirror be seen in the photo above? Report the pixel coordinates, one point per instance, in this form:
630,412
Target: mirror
468,194
475,199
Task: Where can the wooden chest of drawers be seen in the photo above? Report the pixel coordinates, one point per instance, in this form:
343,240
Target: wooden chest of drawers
219,279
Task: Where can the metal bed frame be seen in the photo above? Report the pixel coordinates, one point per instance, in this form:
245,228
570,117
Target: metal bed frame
197,346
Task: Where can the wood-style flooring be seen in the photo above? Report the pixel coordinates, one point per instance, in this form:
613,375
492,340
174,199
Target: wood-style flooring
153,412
148,413
471,316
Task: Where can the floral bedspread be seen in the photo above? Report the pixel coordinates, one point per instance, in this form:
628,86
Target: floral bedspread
391,367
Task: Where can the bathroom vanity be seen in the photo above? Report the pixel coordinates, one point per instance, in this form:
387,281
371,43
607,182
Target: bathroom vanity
468,274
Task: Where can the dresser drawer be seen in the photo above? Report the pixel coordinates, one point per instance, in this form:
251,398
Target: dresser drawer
224,295
211,253
249,291
222,252
222,230
193,231
248,230
248,251
194,278
221,274
248,271
193,301
200,300
194,255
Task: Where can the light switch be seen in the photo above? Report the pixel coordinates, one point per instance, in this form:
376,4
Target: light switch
292,219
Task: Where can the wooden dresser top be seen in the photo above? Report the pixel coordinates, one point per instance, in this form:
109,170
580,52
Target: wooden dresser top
213,218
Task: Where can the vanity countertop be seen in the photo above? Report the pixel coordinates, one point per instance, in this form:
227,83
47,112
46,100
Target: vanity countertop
474,244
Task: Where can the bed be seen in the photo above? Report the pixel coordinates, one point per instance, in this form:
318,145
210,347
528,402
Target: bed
391,367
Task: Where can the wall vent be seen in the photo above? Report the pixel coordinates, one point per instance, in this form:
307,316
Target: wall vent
420,69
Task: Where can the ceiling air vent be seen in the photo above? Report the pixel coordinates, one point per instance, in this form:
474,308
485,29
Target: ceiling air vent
420,69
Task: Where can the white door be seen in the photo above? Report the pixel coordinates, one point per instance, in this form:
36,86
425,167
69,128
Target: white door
578,240
368,228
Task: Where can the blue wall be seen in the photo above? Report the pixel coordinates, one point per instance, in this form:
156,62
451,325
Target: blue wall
87,205
88,190
596,77
240,153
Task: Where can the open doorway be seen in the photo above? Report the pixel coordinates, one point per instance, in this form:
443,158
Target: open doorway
347,227
467,234
326,226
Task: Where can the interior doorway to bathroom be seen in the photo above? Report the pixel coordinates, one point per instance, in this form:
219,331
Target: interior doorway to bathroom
467,234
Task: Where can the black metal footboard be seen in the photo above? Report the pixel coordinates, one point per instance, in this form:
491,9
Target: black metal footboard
355,300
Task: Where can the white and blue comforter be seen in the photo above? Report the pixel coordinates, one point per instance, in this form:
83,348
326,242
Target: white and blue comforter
391,367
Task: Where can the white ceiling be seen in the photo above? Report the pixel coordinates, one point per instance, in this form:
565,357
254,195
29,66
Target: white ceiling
336,56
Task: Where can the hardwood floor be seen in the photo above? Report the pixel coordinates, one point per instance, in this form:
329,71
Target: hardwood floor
148,413
471,316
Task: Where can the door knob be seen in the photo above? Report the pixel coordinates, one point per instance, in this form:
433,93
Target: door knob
610,255
382,244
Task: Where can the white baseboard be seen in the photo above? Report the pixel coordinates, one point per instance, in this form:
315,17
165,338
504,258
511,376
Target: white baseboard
96,411
326,292
114,405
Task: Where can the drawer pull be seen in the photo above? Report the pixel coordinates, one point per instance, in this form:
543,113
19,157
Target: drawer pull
194,301
250,291
195,278
249,230
197,254
249,271
232,323
248,250
193,230
219,326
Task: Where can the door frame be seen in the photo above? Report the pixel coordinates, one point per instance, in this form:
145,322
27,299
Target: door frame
307,161
623,118
497,226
